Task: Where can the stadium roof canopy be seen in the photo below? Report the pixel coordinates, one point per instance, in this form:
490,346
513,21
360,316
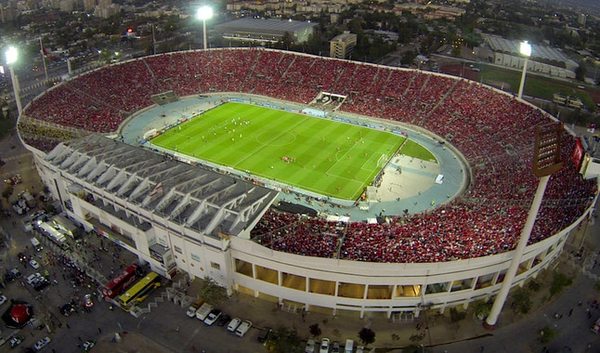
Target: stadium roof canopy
508,46
188,195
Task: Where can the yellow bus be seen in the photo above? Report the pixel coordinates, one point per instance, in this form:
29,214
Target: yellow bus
140,290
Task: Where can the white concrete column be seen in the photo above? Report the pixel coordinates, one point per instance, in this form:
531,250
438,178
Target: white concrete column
518,253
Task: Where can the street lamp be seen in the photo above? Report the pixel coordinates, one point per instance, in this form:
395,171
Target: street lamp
12,55
525,50
204,13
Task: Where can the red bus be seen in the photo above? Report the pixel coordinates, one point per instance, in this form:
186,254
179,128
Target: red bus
116,285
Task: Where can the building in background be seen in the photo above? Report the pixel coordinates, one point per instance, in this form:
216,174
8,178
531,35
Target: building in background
262,31
544,60
341,46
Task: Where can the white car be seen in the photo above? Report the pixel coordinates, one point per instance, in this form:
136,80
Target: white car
191,312
39,345
310,346
2,299
324,348
243,328
34,278
212,317
34,264
233,324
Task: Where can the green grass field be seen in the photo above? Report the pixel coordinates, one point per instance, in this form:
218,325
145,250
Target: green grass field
323,156
536,86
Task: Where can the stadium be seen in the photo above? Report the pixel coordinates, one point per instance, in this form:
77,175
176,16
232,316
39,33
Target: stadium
320,184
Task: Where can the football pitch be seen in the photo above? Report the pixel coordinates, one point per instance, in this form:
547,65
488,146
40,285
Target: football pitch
319,155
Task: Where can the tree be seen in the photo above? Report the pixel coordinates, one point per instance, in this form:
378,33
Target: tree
211,292
482,309
408,57
521,301
547,334
580,72
286,41
367,336
559,281
8,190
285,341
315,330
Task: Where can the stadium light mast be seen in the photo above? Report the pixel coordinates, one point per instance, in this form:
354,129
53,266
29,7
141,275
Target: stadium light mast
204,13
12,54
546,162
525,50
43,53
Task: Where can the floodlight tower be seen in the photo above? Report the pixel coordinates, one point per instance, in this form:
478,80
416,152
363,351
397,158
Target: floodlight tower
204,13
12,54
525,50
546,162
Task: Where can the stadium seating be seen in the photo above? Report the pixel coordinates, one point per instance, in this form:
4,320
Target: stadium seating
493,131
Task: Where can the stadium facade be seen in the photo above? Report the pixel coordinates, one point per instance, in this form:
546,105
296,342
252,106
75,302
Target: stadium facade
179,216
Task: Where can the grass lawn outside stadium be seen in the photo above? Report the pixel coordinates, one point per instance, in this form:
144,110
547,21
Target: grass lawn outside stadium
319,155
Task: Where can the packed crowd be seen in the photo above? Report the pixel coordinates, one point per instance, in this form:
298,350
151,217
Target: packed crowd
493,131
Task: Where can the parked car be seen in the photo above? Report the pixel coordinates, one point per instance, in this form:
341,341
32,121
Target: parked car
191,311
233,324
33,278
360,349
88,302
596,327
223,320
34,264
310,346
39,345
243,328
203,311
212,317
67,309
15,341
324,348
88,345
335,347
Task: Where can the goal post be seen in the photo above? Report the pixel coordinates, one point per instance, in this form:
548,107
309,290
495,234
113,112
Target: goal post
382,160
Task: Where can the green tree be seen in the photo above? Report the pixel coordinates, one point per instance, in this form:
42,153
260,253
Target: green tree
315,330
546,334
366,335
521,301
456,315
285,340
559,281
286,41
408,57
211,292
580,72
482,309
8,191
533,284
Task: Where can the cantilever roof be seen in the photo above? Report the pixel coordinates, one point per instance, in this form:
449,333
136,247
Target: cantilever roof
185,194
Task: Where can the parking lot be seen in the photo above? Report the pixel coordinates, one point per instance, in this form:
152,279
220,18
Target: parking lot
59,285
